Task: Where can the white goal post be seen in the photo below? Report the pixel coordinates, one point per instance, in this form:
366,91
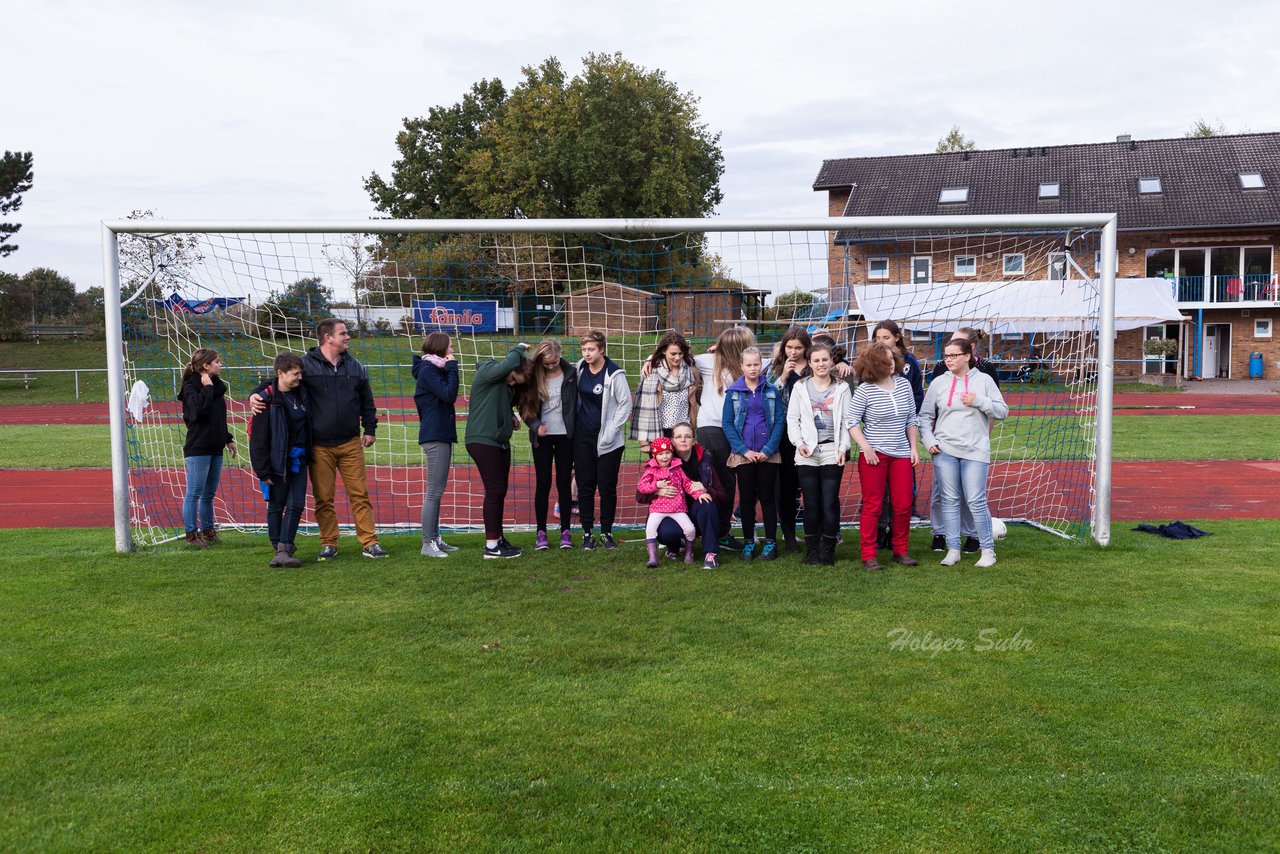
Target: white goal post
544,264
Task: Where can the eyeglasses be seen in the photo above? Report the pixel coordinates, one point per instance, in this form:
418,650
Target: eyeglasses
954,355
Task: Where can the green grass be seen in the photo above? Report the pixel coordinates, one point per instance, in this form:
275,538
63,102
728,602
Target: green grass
177,701
1146,437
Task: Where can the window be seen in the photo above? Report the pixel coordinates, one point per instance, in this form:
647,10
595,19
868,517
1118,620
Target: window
1252,181
1050,189
1057,266
921,270
1262,327
953,195
1014,264
966,265
878,268
1149,186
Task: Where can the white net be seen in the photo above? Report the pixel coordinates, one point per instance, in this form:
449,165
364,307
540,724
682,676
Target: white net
253,295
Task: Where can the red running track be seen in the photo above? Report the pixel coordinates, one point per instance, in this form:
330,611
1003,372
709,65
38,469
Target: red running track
403,410
1224,489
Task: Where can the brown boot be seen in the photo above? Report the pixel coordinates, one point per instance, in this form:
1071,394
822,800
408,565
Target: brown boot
873,565
210,536
195,541
905,559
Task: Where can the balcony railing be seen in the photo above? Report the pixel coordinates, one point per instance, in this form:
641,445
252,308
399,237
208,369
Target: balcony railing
1249,288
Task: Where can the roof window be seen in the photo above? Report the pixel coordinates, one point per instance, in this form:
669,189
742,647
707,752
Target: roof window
1050,189
1252,181
1149,186
953,195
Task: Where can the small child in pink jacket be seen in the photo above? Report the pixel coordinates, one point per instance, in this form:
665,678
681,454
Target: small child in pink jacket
662,467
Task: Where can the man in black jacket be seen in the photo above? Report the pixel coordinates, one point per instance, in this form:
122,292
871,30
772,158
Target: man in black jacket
341,404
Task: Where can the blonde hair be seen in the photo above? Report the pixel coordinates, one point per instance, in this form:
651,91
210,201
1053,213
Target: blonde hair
547,346
730,346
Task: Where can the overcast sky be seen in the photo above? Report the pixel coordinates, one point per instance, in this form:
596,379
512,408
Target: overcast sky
278,110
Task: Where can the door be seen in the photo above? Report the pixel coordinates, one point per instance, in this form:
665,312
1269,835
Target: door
921,270
1216,361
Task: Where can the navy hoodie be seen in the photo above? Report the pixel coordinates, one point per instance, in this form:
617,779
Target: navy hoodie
435,394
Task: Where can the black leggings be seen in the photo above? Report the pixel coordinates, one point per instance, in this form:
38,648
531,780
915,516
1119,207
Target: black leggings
594,470
557,451
788,488
821,485
758,481
714,443
494,464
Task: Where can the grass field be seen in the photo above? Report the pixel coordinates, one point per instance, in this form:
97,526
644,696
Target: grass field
1150,437
177,701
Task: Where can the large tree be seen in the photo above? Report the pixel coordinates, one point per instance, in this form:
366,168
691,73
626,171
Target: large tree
617,140
15,179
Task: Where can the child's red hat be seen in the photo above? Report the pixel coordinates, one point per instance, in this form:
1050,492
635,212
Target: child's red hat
662,443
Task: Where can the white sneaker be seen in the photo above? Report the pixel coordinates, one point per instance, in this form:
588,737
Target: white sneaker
952,558
431,549
988,558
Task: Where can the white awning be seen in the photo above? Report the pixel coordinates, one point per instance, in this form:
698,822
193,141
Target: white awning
1017,307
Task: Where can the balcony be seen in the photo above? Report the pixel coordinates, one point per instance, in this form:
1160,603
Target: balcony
1259,290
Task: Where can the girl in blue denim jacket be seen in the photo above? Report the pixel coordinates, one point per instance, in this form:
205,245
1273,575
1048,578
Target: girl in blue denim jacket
754,418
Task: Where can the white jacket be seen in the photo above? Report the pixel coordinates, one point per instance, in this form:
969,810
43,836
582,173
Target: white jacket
615,407
802,430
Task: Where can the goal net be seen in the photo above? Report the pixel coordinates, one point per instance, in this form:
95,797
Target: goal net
251,292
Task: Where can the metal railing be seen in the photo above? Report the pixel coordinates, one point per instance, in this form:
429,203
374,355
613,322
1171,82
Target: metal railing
1230,288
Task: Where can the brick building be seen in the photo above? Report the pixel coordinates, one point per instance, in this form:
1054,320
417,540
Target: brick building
1203,213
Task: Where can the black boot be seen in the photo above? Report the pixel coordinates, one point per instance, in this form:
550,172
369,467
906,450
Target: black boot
827,554
812,549
792,545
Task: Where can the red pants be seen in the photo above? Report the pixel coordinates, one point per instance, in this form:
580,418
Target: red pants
897,471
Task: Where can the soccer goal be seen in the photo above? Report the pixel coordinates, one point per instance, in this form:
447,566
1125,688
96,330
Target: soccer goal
1041,288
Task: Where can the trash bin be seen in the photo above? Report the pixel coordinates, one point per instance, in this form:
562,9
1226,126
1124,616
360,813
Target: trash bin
1255,366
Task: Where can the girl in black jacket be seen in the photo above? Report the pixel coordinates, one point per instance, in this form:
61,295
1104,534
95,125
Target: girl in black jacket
204,411
435,394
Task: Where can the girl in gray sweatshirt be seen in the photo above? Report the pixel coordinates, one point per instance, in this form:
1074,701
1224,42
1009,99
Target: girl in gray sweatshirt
955,424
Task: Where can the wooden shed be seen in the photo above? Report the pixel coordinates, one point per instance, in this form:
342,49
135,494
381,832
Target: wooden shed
611,307
704,312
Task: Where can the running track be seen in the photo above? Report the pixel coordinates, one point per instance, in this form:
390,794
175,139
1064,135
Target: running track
1225,489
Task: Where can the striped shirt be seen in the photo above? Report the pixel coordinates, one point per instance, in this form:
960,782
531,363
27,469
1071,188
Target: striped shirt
885,416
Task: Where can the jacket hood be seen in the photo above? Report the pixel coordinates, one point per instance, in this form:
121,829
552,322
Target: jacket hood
740,384
610,366
193,381
418,364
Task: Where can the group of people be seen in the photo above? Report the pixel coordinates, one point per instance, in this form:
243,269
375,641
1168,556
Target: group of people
721,432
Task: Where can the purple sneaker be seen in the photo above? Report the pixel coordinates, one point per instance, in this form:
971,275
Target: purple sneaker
542,541
566,539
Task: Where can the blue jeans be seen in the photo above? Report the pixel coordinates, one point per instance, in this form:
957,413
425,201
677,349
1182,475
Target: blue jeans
963,483
203,475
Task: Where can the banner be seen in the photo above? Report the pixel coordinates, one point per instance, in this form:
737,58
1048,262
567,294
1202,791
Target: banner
457,315
184,306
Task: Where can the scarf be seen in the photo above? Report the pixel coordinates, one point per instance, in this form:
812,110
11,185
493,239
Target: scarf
646,411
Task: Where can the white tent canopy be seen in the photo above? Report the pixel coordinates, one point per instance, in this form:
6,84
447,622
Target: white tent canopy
1017,307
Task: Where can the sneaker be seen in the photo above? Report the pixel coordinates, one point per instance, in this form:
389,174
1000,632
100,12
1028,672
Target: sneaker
770,550
374,551
710,562
566,539
445,547
939,543
730,542
327,553
542,544
502,550
737,514
606,540
988,558
952,558
588,543
430,549
970,545
749,551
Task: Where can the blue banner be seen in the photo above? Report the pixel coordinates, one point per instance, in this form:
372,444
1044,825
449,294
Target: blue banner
185,306
460,315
